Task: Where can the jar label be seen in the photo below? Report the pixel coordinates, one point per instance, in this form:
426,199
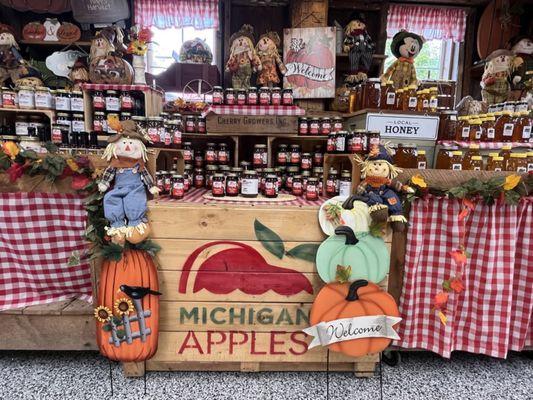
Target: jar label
526,132
478,134
198,180
270,189
529,167
153,134
340,144
178,189
218,187
217,98
318,158
264,98
210,155
76,104
8,100
98,102
491,133
391,98
56,135
508,129
466,132
374,141
295,158
252,98
112,104
189,126
98,125
331,186
166,139
21,128
457,167
497,169
177,137
330,146
230,99
126,102
187,155
276,99
425,104
26,99
232,187
167,184
477,169
282,157
434,102
201,126
521,169
508,107
222,156
250,186
345,188
241,99
412,102
306,163
62,103
78,126
421,165
356,144
297,188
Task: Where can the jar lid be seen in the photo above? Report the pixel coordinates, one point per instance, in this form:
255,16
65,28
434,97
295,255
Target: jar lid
283,145
518,155
61,91
26,88
498,158
272,176
229,89
219,175
65,115
210,144
276,88
411,87
99,113
125,113
476,158
338,118
77,93
268,170
325,118
136,118
217,87
421,152
407,145
507,147
77,115
530,153
111,91
373,80
457,153
155,119
293,169
434,88
252,88
306,154
260,146
42,88
474,146
177,176
237,169
449,112
264,88
250,172
212,167
492,155
287,90
346,174
224,167
232,175
312,179
303,119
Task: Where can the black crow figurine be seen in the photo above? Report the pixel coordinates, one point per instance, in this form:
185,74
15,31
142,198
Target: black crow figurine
138,292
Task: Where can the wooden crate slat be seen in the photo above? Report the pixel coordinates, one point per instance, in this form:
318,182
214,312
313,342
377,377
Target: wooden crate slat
78,307
54,308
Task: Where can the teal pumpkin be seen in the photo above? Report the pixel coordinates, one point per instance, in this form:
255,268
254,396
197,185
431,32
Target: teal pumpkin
367,256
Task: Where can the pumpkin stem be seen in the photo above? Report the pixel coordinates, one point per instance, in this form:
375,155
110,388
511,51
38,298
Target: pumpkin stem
344,230
354,286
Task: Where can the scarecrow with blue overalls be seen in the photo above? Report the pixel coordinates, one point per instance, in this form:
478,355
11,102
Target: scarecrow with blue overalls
379,190
125,203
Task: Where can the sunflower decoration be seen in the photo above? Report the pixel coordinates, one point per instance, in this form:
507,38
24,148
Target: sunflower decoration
123,306
137,47
102,314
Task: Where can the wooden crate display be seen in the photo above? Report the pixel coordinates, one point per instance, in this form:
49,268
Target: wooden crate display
228,302
252,124
342,162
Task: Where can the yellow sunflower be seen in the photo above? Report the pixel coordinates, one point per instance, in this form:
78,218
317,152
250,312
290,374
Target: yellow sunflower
102,314
123,306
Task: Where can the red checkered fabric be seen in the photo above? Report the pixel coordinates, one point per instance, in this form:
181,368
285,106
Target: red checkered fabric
254,110
38,234
108,86
197,196
493,314
431,22
484,145
163,14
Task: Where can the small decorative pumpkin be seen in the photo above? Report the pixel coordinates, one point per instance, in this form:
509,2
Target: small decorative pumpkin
358,299
68,32
34,31
127,315
336,211
346,257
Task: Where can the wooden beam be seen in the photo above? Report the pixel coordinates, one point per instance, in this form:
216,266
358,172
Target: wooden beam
133,369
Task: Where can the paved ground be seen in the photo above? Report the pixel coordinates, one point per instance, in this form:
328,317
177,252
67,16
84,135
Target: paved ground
50,376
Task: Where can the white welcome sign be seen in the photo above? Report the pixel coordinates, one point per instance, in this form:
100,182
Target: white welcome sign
402,126
339,330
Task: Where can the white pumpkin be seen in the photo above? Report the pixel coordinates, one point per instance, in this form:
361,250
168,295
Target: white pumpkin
357,218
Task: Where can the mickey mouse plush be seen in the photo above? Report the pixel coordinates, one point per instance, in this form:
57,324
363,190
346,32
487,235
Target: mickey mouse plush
405,46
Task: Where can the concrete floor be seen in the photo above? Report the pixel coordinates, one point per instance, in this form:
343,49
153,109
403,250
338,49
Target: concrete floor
86,375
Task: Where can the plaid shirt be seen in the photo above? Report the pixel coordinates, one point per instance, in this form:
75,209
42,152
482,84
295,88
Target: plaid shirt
109,175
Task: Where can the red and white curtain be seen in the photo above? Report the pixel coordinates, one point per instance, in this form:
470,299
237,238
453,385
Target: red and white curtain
430,22
164,14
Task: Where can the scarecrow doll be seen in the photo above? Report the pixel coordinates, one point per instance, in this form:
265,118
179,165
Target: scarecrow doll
243,59
405,46
267,50
495,86
522,48
10,58
379,190
79,73
125,203
360,48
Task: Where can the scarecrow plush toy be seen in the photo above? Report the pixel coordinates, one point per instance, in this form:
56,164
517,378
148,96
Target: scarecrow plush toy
360,48
522,48
405,46
125,203
79,73
495,86
379,190
10,59
267,50
243,59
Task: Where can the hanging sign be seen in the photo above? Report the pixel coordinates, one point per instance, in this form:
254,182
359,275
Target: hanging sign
309,55
402,126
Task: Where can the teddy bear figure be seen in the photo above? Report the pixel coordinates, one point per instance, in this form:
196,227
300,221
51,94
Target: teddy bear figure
495,86
243,59
360,48
405,46
125,202
267,50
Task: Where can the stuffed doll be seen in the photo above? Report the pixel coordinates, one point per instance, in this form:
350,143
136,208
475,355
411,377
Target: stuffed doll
379,190
79,73
360,48
106,64
522,48
125,203
267,50
243,59
102,44
10,58
26,75
495,84
405,46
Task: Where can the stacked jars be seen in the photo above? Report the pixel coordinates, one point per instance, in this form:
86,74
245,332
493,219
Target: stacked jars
263,96
358,141
319,126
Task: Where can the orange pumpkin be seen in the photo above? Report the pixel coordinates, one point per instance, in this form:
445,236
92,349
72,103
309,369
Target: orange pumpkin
34,31
68,32
135,269
357,299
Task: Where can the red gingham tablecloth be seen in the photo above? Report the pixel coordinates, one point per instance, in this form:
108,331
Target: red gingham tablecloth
254,110
38,234
108,86
197,196
494,313
485,145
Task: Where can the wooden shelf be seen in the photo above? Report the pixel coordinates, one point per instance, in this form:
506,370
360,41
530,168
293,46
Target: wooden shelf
49,113
259,135
81,43
374,57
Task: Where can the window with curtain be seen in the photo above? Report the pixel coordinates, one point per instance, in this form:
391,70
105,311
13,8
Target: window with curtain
444,30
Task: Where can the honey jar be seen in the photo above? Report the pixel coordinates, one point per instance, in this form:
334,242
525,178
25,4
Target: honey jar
405,156
504,127
372,93
473,150
421,160
517,163
456,161
476,164
522,131
505,152
488,128
530,161
444,157
412,99
462,132
433,98
447,125
476,131
399,99
496,164
388,96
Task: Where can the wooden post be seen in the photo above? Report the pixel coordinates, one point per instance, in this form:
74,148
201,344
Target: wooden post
133,369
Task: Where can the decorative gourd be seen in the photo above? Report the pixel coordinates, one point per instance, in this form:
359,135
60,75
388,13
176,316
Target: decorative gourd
34,31
68,32
135,269
366,255
358,299
338,211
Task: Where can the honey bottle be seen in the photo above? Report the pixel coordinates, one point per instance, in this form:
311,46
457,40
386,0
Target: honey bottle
476,163
388,96
444,157
488,128
419,100
505,152
504,127
463,129
522,131
517,163
421,160
530,161
425,100
473,150
476,131
412,100
496,164
402,101
433,98
456,162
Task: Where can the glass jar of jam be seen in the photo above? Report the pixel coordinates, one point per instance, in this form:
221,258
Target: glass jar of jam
345,184
311,191
78,123
201,125
251,96
287,98
331,144
210,172
264,96
388,96
98,100
126,101
356,142
64,119
332,183
318,156
297,185
412,100
373,139
456,161
250,184
187,177
232,185
405,156
218,95
190,124
62,100
303,126
112,101
9,98
292,171
271,186
476,130
522,131
337,124
210,154
260,159
167,182
188,153
282,155
325,126
314,126
447,125
295,157
124,116
198,178
340,142
517,163
307,162
275,97
43,98
26,97
198,161
229,97
372,93
218,188
154,125
99,122
241,97
223,154
421,159
178,187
